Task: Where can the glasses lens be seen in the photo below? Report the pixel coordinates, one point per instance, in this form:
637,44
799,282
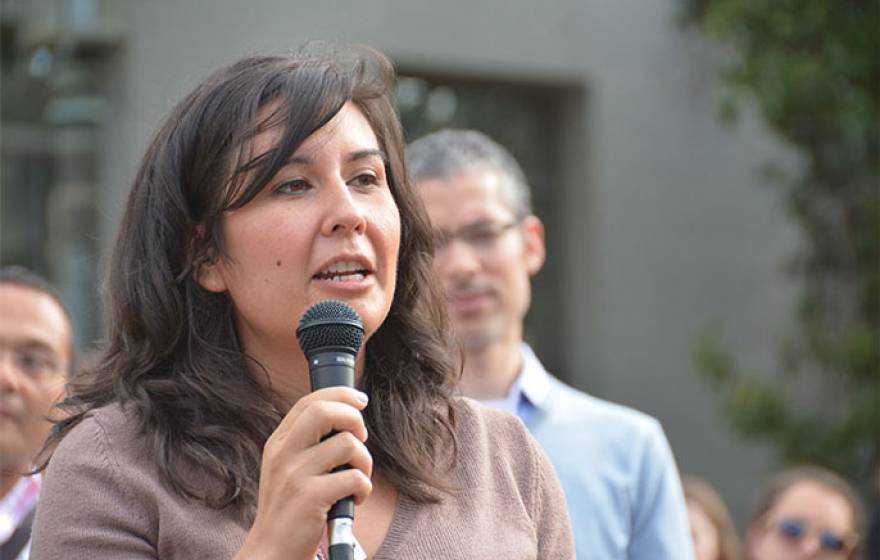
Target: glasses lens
832,542
482,237
792,528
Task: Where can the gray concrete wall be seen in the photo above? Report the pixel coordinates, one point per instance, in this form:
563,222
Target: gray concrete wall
666,224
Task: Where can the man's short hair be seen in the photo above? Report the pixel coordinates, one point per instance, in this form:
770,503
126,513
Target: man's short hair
21,276
448,153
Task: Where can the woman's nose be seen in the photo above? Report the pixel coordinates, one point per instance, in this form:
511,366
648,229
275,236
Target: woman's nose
811,547
344,214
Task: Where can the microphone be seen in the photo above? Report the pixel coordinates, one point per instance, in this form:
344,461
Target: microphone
330,335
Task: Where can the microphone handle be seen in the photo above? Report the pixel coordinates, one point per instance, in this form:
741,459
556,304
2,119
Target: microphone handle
335,368
331,369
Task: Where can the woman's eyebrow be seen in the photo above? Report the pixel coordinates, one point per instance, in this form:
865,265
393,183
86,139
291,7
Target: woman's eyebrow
363,154
353,156
299,160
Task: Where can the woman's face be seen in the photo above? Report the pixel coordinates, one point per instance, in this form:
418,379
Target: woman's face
808,520
325,227
703,532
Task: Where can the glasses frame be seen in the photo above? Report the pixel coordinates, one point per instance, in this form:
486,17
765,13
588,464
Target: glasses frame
850,541
468,235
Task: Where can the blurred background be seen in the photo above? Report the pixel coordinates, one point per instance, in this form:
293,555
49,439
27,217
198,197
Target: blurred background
707,172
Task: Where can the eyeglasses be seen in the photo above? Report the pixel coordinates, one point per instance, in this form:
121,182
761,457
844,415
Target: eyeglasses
795,530
480,236
34,363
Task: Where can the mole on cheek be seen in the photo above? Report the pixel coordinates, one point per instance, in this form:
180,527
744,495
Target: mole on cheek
278,263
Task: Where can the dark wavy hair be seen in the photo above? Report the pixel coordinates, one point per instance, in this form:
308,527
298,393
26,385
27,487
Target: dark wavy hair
173,355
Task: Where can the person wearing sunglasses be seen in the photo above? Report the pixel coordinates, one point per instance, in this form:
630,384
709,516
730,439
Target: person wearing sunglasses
805,513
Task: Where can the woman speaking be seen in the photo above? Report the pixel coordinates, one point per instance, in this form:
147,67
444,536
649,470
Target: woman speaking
278,183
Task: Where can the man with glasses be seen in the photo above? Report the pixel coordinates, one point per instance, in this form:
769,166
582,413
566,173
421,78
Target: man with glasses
620,479
36,352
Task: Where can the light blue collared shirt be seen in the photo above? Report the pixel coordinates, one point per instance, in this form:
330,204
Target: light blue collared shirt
615,465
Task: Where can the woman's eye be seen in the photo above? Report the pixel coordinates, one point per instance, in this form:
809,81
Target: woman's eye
365,180
293,186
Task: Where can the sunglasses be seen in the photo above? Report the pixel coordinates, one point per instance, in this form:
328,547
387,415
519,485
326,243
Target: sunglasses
795,530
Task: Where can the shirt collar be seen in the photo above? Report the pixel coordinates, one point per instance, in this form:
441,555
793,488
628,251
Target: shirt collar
510,402
533,382
17,503
530,389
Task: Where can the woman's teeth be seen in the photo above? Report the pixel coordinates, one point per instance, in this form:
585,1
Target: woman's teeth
343,272
348,277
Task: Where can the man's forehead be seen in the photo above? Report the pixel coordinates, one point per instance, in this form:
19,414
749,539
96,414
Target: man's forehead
33,317
468,197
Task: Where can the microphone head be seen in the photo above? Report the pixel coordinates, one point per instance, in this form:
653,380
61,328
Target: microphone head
330,324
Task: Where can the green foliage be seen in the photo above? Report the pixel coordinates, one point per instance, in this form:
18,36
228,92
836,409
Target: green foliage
812,67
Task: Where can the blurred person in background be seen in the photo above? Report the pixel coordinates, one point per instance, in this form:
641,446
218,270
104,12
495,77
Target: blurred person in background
805,513
712,530
618,472
36,354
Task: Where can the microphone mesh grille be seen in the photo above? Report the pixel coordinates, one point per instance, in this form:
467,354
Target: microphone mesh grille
330,323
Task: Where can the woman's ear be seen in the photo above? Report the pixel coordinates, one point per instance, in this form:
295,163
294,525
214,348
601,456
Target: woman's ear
209,275
207,266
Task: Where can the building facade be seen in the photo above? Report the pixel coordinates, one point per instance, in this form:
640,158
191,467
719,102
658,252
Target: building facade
657,221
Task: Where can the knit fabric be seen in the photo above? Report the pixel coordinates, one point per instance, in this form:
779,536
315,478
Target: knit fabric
103,498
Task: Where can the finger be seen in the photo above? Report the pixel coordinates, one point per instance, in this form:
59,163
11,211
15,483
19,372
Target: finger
335,486
317,420
350,395
347,395
319,461
341,449
321,418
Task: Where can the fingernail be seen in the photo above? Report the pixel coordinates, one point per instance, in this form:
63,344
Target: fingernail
363,397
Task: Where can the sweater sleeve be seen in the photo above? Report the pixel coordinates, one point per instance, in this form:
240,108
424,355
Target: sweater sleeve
86,509
552,523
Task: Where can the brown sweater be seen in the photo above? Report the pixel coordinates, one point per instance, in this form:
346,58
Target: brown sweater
102,498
